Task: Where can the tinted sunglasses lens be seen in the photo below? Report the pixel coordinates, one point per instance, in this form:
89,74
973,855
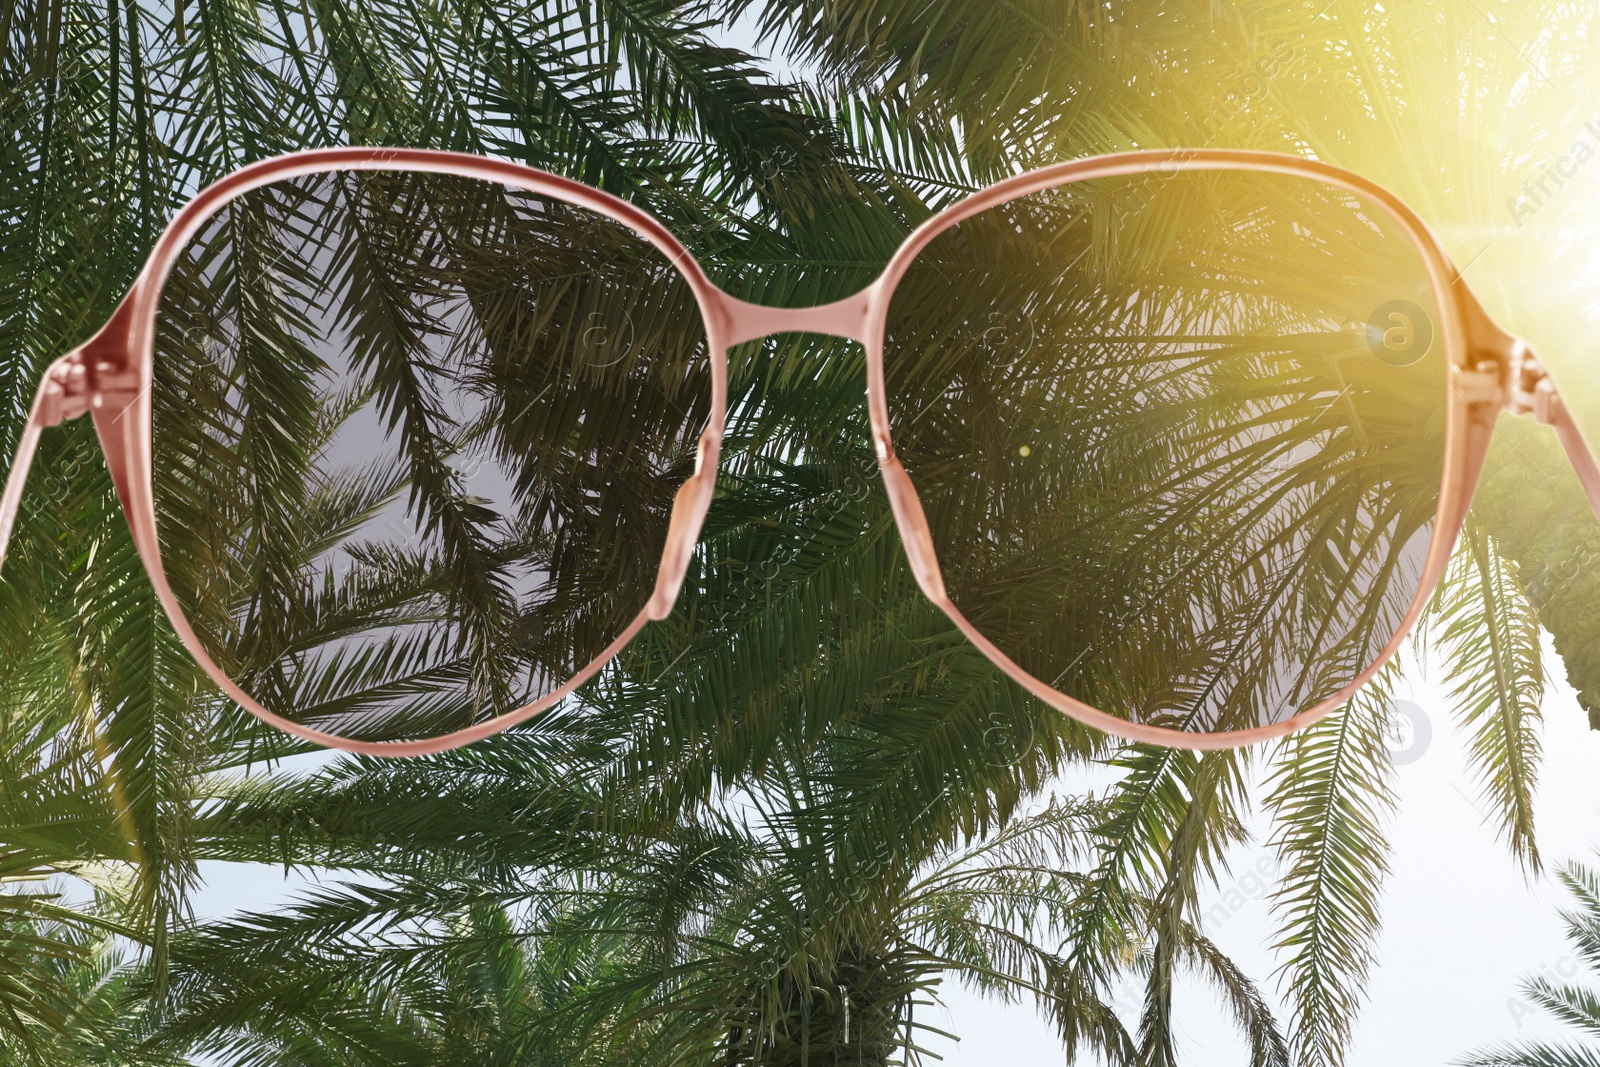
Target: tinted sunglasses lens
1179,436
417,439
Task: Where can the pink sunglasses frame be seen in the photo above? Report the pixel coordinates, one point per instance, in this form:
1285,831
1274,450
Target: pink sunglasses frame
109,377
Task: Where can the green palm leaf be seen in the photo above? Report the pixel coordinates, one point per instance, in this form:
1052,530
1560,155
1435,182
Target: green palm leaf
1490,636
1330,797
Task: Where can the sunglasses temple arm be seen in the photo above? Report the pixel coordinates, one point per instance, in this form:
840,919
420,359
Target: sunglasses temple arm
62,395
1579,454
12,500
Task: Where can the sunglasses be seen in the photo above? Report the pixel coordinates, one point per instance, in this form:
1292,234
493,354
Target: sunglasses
413,443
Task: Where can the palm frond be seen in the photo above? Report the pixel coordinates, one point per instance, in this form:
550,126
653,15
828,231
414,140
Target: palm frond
1330,798
1489,635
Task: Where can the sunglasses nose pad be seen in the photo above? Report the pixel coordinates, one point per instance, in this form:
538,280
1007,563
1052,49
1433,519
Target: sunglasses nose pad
689,509
914,533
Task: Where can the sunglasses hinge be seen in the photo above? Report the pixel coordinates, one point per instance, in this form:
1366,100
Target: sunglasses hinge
1482,386
1531,390
1502,370
1516,382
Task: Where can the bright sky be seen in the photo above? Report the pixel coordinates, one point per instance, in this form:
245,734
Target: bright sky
1461,924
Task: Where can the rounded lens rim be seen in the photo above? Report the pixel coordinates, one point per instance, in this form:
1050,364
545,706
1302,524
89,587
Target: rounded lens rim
126,428
1466,435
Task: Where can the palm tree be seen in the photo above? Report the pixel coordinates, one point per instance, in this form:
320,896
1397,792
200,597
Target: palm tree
97,1005
107,732
803,672
1570,1003
1356,86
748,937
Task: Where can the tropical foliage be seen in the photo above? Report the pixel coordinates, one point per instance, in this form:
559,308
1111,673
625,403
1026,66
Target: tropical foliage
1572,1004
802,801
